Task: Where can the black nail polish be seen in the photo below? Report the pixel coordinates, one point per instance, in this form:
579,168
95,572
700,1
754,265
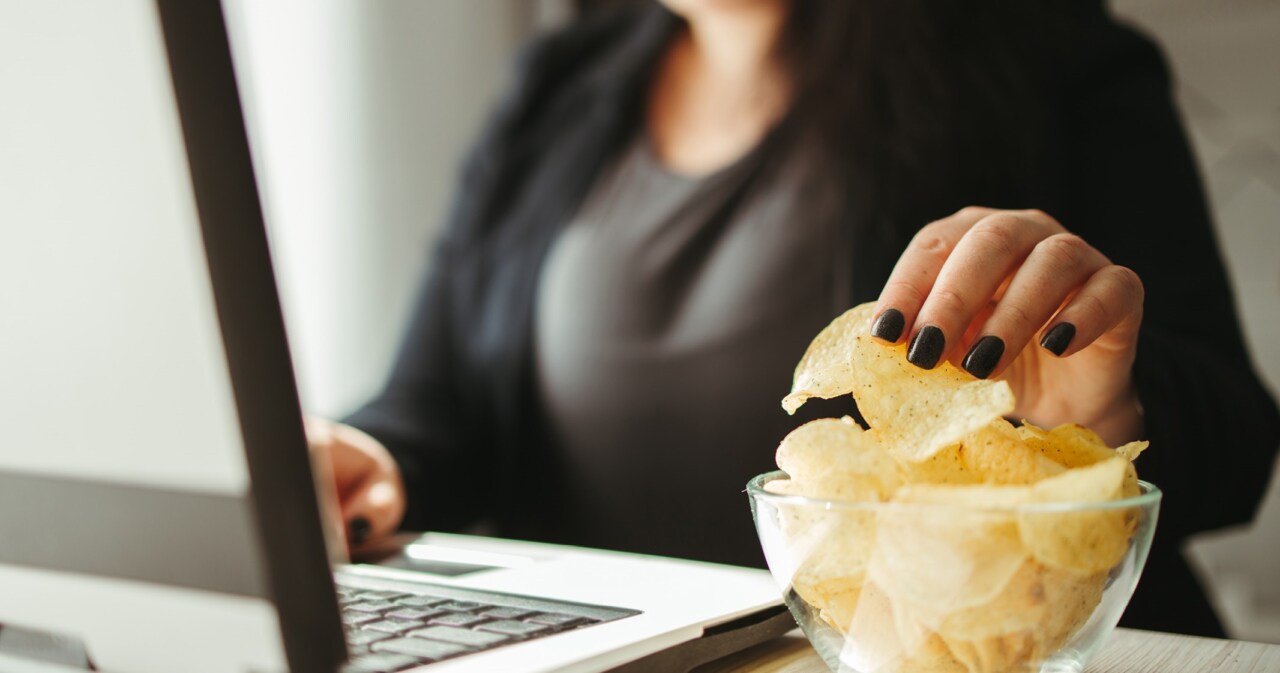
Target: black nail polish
359,529
984,356
926,347
1057,339
888,325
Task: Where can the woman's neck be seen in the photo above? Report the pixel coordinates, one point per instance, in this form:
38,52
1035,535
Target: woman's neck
720,87
736,46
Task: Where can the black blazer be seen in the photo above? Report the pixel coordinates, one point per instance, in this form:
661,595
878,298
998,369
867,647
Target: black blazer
459,411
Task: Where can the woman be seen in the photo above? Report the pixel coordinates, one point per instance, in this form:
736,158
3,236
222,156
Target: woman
674,199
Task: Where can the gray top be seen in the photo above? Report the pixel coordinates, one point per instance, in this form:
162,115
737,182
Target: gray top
670,315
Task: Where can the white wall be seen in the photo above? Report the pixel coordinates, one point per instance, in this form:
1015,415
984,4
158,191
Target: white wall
359,113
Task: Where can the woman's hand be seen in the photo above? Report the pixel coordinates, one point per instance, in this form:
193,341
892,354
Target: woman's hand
366,480
977,287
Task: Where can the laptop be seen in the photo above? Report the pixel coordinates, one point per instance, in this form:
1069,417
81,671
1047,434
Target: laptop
157,507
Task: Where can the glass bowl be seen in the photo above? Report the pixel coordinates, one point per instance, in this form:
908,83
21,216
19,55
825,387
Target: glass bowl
884,587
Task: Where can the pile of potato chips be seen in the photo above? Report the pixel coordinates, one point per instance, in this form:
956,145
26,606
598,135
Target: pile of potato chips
966,570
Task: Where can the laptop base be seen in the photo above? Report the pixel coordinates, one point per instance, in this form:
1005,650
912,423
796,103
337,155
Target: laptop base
718,641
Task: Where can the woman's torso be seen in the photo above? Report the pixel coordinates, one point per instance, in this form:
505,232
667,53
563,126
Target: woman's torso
669,315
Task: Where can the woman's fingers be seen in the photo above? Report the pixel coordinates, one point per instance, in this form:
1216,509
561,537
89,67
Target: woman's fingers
373,509
1055,268
320,442
370,490
916,271
370,494
989,280
1110,303
983,257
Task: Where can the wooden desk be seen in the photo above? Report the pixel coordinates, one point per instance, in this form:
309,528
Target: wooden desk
1128,651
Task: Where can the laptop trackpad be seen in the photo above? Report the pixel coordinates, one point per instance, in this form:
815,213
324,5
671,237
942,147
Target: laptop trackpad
434,567
446,560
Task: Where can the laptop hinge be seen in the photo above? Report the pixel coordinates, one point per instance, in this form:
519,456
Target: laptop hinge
41,651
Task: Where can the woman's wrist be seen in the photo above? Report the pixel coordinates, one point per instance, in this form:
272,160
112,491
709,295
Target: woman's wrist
1123,421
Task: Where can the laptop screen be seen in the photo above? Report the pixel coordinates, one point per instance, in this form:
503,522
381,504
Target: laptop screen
155,493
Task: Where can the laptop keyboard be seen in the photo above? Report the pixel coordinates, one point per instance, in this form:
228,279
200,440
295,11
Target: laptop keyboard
395,629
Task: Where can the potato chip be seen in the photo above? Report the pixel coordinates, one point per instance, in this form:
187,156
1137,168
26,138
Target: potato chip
1070,601
1072,445
821,544
837,459
1083,542
996,654
923,649
883,639
958,551
1132,450
826,543
996,454
835,598
1068,445
916,412
944,467
998,499
1032,617
873,643
1042,600
827,368
918,418
829,556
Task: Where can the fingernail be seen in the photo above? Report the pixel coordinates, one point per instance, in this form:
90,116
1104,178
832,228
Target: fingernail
359,529
1057,339
926,347
984,356
888,325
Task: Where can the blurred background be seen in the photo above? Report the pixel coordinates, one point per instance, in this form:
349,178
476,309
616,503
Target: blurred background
359,113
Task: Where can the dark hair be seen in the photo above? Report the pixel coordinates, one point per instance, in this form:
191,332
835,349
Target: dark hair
924,105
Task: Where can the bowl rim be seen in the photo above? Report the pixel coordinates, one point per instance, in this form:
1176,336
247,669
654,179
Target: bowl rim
1150,495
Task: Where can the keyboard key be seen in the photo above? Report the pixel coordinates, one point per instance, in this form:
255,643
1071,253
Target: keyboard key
511,627
421,601
417,647
418,614
466,637
360,638
353,617
558,619
372,606
392,626
386,595
379,663
389,631
458,619
460,606
502,612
